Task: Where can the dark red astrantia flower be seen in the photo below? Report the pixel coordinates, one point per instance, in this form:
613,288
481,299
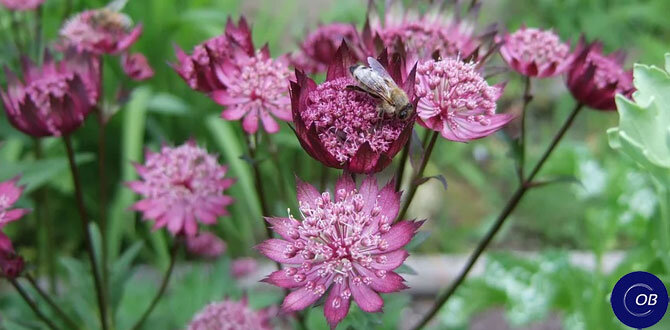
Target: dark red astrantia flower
594,78
340,127
55,98
319,47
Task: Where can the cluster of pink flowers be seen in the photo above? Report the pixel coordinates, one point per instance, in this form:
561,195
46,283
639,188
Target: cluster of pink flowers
230,315
21,4
535,53
182,186
347,243
11,264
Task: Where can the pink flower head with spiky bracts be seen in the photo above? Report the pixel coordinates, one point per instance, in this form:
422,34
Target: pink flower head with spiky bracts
347,243
421,34
594,79
318,49
535,53
341,127
11,264
199,69
456,101
100,31
256,88
242,267
21,5
230,315
55,98
205,244
136,67
182,186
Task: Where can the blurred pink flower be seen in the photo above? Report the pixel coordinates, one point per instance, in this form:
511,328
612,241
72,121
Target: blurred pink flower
56,97
347,243
199,70
205,244
535,53
318,49
456,100
230,315
11,264
256,87
436,30
21,4
341,128
136,66
181,186
242,267
100,31
594,78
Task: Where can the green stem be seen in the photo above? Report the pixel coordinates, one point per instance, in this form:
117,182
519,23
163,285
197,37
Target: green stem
97,279
164,283
102,213
418,174
527,97
70,323
45,229
32,304
401,166
502,217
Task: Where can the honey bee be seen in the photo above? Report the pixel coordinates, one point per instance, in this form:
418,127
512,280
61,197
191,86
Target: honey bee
109,19
376,82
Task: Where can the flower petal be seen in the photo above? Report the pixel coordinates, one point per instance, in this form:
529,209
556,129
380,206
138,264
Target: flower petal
299,300
366,298
274,249
400,234
280,279
336,307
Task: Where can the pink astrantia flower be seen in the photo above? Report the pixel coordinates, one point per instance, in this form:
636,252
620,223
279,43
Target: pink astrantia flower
55,98
100,31
256,87
199,69
594,78
422,34
340,127
535,53
136,66
456,101
11,264
230,315
242,267
205,244
182,186
21,4
347,243
318,49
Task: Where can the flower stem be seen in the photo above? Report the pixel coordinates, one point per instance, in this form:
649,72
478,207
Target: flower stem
32,304
164,283
401,167
527,97
45,230
507,210
102,203
418,174
97,279
70,323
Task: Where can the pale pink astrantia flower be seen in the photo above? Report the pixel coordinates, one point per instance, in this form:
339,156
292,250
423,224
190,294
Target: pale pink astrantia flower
181,186
242,267
256,87
11,265
21,5
456,101
230,315
347,243
535,53
100,31
205,244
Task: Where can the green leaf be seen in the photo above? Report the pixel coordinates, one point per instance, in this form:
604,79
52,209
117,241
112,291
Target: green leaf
418,239
36,173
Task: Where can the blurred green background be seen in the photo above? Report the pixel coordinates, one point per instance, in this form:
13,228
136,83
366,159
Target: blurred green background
612,208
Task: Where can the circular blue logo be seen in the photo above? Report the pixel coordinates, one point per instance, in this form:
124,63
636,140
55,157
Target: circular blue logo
639,300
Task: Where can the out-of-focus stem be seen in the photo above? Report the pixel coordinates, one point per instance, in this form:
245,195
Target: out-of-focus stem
97,279
32,304
502,217
418,174
44,226
401,166
164,283
70,323
522,137
102,203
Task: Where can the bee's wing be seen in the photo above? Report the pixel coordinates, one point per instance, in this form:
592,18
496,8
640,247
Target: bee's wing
377,67
375,84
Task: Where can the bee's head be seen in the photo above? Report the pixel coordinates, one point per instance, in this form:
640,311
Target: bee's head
405,112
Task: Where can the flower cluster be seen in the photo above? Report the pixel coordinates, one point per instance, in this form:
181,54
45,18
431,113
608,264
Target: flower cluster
230,315
54,99
100,31
21,5
205,244
341,127
455,100
535,53
182,186
11,265
136,66
318,49
347,244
